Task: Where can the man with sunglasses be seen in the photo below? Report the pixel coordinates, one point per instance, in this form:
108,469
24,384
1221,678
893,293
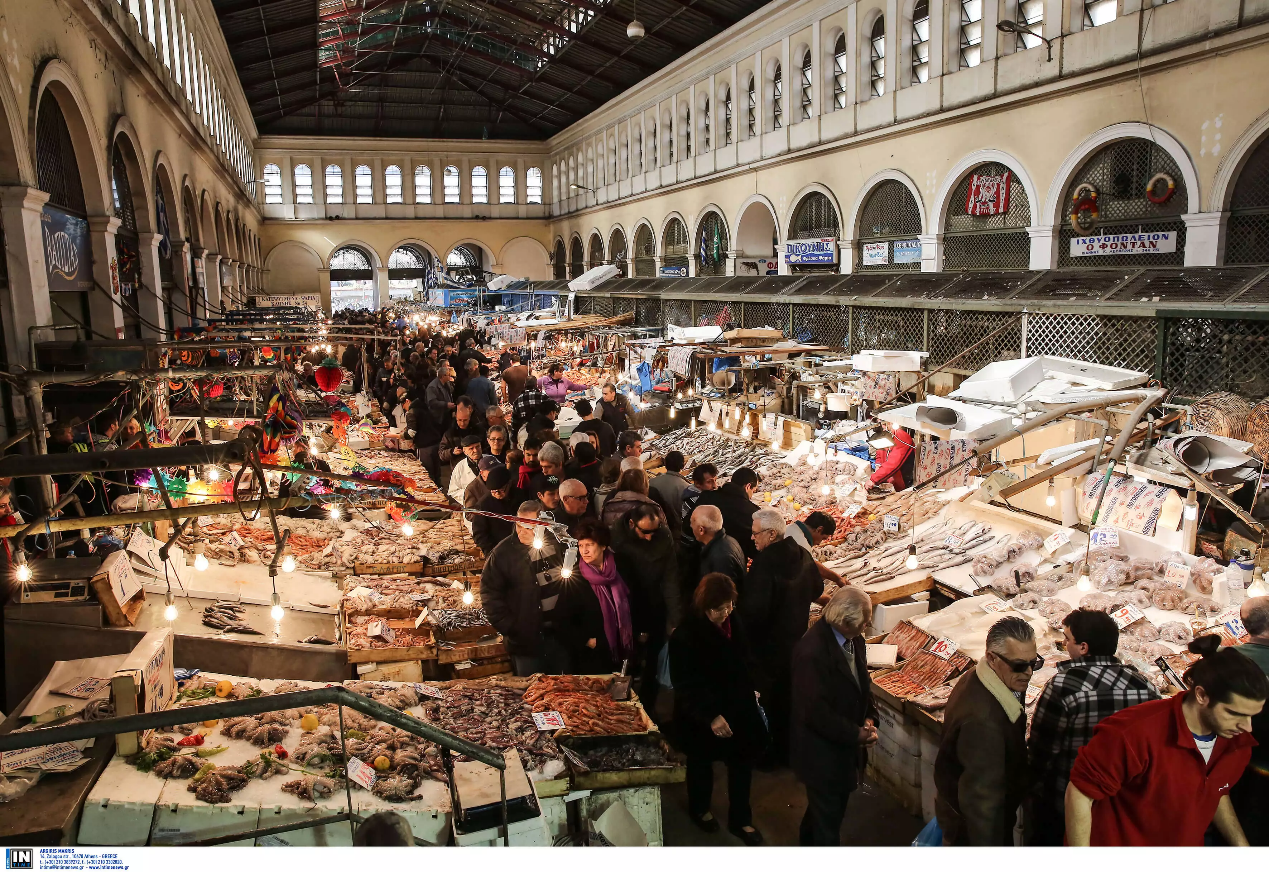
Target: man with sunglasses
574,504
646,559
981,769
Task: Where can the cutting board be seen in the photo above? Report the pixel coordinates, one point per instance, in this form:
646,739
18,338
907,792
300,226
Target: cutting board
477,784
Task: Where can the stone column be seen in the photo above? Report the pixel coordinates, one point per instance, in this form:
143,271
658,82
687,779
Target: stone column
28,306
198,285
212,269
1044,242
181,296
105,308
731,261
150,297
931,252
1204,237
381,287
323,287
846,256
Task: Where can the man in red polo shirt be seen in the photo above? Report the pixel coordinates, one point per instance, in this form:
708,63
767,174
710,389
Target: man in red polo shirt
1159,772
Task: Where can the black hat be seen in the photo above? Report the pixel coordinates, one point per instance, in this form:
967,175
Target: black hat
473,439
498,478
544,483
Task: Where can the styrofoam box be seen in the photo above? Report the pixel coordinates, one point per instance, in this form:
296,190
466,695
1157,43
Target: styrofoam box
928,791
643,803
899,729
887,616
1003,381
531,833
909,795
893,759
888,361
929,741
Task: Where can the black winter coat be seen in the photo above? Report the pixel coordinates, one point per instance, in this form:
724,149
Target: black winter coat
781,585
487,532
576,619
651,572
737,510
829,708
723,555
711,677
511,597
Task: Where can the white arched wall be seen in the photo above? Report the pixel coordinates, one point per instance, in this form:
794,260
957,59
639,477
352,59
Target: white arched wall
932,243
524,257
292,267
787,224
756,225
418,243
1227,174
850,227
57,77
1202,229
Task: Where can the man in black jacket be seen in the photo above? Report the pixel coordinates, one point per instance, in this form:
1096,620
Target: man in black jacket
487,532
644,548
466,423
590,424
719,552
781,585
833,713
734,501
614,408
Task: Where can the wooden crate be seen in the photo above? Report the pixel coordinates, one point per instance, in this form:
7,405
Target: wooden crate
484,651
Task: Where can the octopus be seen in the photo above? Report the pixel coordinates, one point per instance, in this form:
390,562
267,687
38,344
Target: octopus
1153,650
1176,632
219,785
1143,630
1192,605
1149,585
267,734
239,728
311,787
180,766
1028,600
1137,598
268,766
395,787
1098,602
1169,599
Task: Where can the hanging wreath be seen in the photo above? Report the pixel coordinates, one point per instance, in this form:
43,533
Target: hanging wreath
329,375
175,386
1084,211
211,390
266,353
1160,188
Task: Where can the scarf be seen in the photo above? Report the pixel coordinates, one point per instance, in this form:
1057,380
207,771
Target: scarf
614,602
724,627
526,475
1008,701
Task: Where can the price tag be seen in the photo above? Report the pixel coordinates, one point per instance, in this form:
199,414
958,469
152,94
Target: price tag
381,630
953,541
429,690
852,510
890,523
360,773
944,648
1177,575
147,549
994,605
546,721
418,622
1104,537
1033,693
86,689
1057,540
1125,615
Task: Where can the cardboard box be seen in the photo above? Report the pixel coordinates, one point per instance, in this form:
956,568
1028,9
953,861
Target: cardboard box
143,683
116,585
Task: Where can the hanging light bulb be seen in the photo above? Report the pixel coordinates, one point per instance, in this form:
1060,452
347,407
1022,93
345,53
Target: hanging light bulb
288,561
407,529
744,431
333,511
537,541
680,395
200,562
711,427
1051,499
691,391
825,489
671,411
1190,512
693,427
468,596
230,422
213,474
169,607
277,612
1083,584
818,394
911,562
775,444
23,572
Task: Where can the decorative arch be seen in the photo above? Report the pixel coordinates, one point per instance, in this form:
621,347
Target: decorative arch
417,243
576,255
271,259
665,222
710,241
369,250
208,222
292,268
868,186
485,249
1055,202
1231,165
814,187
962,168
57,78
218,222
595,248
138,178
16,162
1245,199
559,260
675,243
165,179
695,227
191,217
764,202
525,257
643,250
618,249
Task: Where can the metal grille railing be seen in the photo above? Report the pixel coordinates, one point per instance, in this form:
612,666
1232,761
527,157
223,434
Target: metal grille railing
622,305
1247,233
1016,216
677,312
825,325
773,315
889,213
815,217
1208,354
711,246
576,259
125,209
953,331
889,328
648,313
711,309
970,251
601,306
56,168
1111,341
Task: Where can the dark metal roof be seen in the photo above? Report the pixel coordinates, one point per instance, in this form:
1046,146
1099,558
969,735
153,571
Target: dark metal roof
453,69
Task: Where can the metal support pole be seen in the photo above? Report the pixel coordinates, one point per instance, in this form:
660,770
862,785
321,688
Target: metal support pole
35,403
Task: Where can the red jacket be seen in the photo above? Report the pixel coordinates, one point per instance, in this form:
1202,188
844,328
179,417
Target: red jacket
1147,779
891,468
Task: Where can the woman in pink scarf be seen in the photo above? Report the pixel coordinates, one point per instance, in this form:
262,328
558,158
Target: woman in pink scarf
592,615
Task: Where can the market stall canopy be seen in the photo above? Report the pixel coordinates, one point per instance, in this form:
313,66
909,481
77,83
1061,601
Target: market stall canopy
1051,379
594,277
973,422
498,283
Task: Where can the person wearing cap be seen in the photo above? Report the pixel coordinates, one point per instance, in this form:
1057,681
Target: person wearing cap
488,531
479,487
546,490
603,431
466,467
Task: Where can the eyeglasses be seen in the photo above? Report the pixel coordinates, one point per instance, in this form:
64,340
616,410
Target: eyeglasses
574,499
644,531
1021,665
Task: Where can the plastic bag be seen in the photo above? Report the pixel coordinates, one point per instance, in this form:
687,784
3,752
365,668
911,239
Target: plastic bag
663,667
931,835
16,783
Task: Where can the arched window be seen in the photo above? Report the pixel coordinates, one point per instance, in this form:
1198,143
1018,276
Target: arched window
753,108
352,284
272,184
712,245
127,245
806,85
507,185
576,258
365,182
479,185
410,273
652,141
921,42
595,251
687,132
533,185
69,267
559,262
334,184
617,250
815,218
1030,14
877,51
727,117
1247,236
777,98
986,222
705,126
466,264
669,140
303,184
639,151
889,230
1099,12
422,184
1119,174
451,184
675,247
839,72
645,253
971,33
612,160
392,185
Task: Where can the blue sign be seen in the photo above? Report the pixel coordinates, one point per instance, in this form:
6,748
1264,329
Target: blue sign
811,251
673,272
68,254
907,251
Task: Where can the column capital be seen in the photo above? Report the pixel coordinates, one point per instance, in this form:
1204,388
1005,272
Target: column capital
104,223
23,196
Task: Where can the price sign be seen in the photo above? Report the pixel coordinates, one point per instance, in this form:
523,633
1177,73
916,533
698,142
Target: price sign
1177,575
1104,537
1125,615
360,773
86,689
944,648
994,605
546,721
418,622
148,550
429,690
891,523
953,541
1057,540
852,510
1033,693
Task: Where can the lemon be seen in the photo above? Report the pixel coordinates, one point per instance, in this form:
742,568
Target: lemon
210,723
224,687
309,722
382,763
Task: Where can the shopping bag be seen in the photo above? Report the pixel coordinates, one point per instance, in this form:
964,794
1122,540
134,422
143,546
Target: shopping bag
663,667
931,835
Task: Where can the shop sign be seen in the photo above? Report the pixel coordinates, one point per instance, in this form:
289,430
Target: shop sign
673,272
1159,242
68,256
1104,537
876,253
763,266
547,721
811,250
303,301
907,251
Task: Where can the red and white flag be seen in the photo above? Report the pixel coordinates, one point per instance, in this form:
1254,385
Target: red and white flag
988,195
